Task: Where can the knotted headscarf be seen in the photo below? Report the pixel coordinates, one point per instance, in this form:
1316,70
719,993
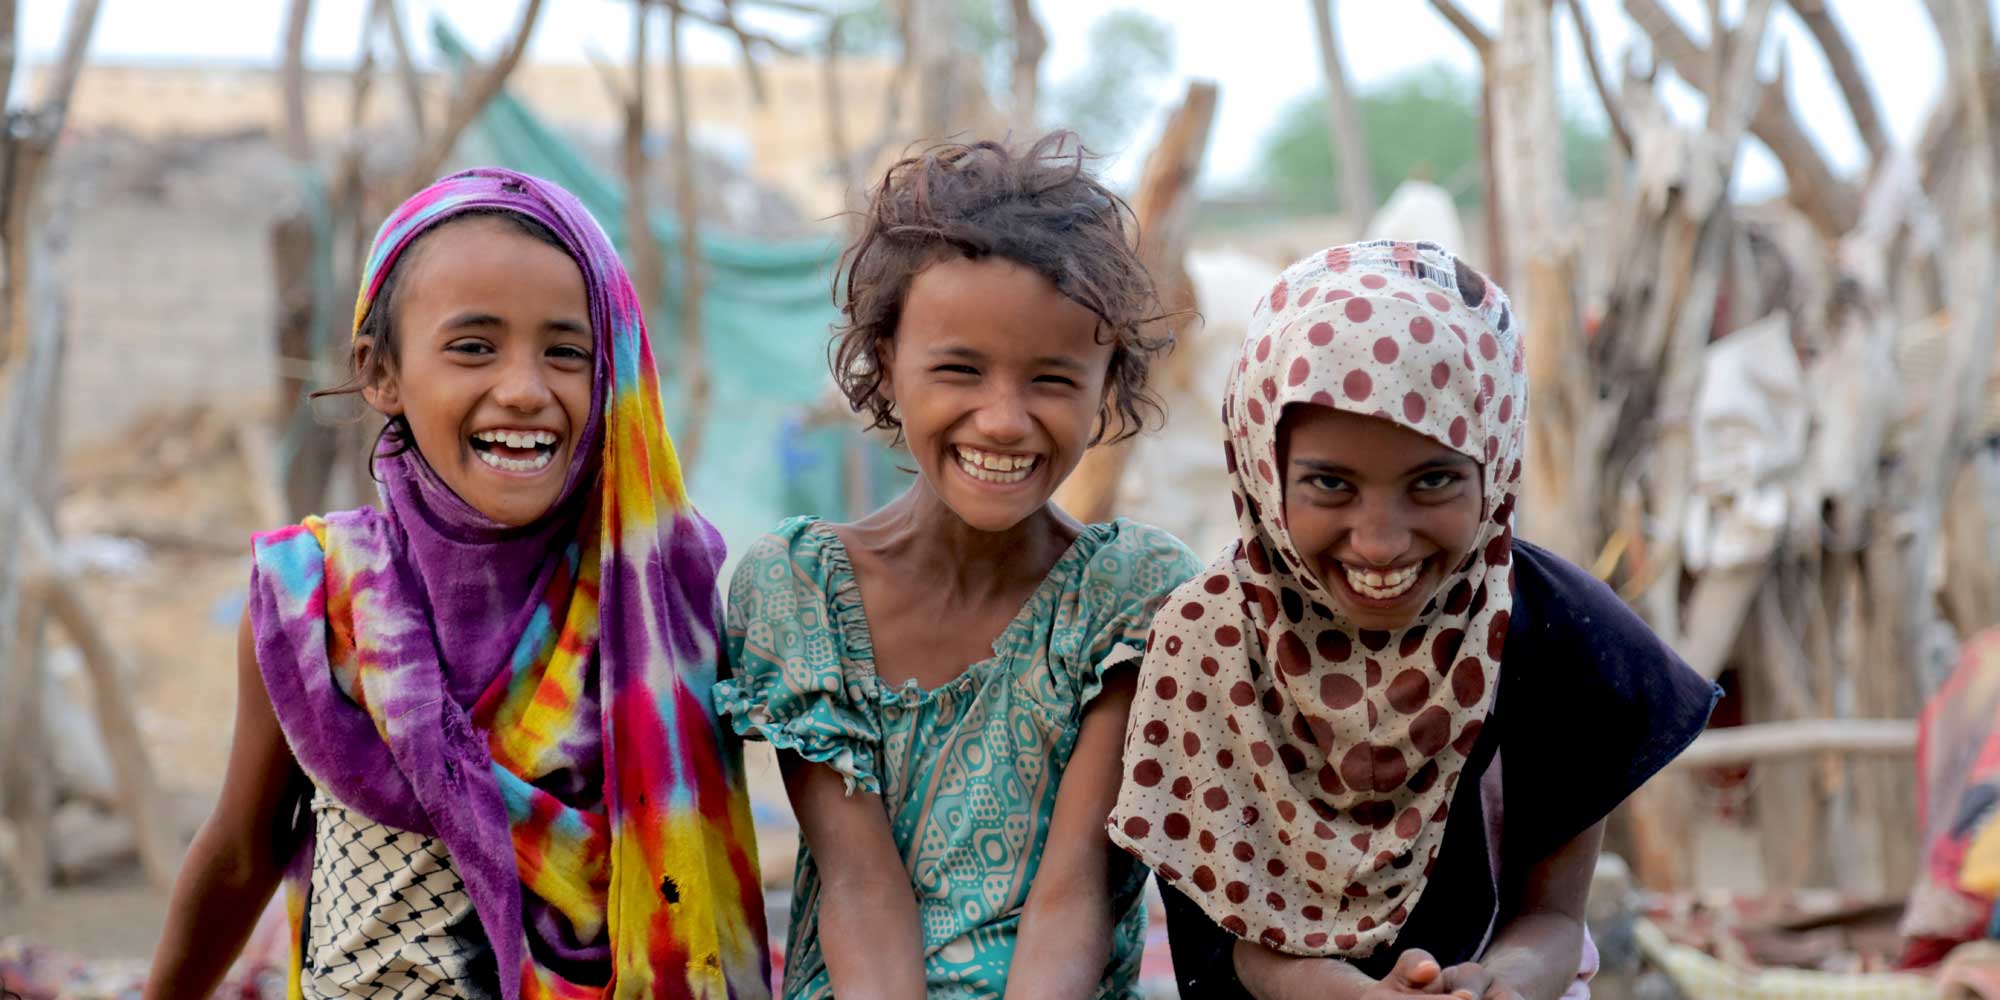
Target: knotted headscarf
1287,771
534,697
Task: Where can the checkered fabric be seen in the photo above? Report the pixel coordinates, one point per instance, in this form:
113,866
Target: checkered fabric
389,917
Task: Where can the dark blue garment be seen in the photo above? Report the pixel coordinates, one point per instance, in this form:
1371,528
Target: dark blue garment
1591,704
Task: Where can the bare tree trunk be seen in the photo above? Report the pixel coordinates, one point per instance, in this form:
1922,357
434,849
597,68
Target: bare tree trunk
292,73
1350,140
1030,43
1854,86
930,29
693,360
642,252
1163,204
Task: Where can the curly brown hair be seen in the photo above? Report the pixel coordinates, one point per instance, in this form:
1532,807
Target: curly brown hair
1037,207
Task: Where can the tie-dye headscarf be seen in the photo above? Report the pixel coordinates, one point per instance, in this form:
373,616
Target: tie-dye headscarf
1287,771
536,698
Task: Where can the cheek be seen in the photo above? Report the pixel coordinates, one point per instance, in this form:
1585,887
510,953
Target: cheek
1455,525
1312,527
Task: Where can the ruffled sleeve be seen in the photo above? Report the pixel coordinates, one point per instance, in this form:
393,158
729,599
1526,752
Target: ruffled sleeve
794,680
1105,617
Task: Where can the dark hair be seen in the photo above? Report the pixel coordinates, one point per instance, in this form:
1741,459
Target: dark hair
379,327
1036,207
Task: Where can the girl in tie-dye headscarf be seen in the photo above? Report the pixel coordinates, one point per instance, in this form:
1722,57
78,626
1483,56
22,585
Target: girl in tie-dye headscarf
490,693
1313,759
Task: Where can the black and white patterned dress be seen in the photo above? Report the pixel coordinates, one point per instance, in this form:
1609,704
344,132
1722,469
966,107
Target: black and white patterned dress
388,916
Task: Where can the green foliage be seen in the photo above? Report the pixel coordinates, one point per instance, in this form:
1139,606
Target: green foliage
1131,52
1424,121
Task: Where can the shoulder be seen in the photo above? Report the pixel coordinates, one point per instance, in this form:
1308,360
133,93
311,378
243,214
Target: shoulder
799,547
1559,605
1145,557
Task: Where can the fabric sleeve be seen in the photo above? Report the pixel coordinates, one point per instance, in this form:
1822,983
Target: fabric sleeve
1592,703
1124,583
788,680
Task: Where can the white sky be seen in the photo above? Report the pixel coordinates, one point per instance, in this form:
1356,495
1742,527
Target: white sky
1260,52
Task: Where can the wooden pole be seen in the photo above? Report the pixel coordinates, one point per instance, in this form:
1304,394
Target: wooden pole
1344,130
1163,205
692,362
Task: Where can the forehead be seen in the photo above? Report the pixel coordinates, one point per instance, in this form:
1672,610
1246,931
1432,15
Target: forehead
996,306
493,261
1355,440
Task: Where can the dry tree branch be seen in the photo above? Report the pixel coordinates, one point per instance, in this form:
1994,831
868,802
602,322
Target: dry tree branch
836,105
1479,38
648,270
1587,37
8,12
297,143
76,41
469,99
1031,43
1344,131
1828,201
758,92
692,360
1854,86
391,14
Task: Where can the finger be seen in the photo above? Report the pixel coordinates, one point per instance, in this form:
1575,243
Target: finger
1417,968
1467,981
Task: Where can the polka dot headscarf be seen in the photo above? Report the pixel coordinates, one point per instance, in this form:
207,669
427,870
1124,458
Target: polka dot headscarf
1289,772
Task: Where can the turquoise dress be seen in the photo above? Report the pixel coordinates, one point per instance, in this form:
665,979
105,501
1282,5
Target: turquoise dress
968,770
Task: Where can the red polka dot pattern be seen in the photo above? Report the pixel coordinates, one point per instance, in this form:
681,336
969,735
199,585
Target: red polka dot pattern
1303,786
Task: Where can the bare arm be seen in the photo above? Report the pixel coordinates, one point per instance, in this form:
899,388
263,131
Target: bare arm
233,865
867,910
1065,936
1534,955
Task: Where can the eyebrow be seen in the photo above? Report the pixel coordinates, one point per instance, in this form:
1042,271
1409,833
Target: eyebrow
479,320
1428,465
1056,361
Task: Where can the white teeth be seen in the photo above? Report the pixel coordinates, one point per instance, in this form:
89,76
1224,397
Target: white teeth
1383,586
992,467
516,439
540,461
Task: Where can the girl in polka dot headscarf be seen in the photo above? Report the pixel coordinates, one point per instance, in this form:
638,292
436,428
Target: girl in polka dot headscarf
1313,760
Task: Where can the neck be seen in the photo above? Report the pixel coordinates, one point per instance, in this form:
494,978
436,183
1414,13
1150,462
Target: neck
920,531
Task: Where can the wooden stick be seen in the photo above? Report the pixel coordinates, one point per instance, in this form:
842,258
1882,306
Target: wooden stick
1829,202
1805,737
1031,42
835,109
29,789
1586,37
1344,131
391,14
8,15
69,66
751,71
1479,38
470,98
1854,85
1163,204
292,75
692,362
641,250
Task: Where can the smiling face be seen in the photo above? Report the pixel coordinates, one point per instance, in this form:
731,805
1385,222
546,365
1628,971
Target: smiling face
493,364
1381,513
998,379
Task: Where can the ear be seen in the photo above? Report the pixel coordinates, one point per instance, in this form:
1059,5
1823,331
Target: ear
385,393
885,364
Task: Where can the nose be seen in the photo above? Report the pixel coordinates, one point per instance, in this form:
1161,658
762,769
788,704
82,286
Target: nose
522,386
1003,416
1379,534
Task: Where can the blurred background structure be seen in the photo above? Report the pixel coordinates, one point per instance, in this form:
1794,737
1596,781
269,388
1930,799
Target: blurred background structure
1753,241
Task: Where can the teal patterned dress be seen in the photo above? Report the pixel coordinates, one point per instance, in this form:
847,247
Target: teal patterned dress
968,770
